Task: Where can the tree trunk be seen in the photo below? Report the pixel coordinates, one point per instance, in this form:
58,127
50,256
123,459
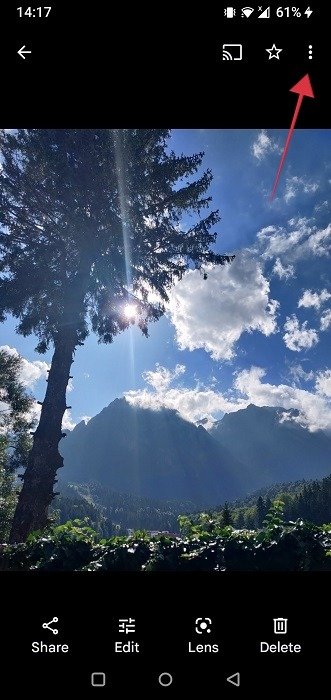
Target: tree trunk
44,458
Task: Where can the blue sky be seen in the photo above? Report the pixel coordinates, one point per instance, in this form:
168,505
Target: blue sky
255,331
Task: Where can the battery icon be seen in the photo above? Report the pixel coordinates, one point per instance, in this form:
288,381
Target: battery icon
229,12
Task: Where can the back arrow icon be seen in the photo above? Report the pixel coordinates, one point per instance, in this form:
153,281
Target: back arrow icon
234,679
23,51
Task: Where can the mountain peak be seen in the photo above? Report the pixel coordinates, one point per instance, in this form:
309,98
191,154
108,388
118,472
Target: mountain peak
152,453
158,454
272,449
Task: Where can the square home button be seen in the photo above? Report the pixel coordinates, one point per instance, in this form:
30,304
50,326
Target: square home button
98,680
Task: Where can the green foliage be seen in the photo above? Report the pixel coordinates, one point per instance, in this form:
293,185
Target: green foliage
14,398
275,517
71,531
203,525
112,513
15,439
217,523
301,500
7,492
297,546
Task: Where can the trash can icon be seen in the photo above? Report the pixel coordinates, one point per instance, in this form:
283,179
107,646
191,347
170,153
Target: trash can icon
280,625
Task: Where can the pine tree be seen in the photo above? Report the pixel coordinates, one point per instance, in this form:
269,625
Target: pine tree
226,518
91,221
267,504
15,438
250,521
260,512
240,520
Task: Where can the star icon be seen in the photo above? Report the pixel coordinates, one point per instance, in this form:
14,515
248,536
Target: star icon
274,52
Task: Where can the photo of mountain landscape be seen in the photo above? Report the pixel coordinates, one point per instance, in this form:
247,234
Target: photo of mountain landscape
165,381
157,454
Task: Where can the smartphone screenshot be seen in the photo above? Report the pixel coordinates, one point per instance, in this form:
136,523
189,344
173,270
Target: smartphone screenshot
165,376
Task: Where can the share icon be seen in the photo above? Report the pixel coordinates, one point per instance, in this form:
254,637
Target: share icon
47,625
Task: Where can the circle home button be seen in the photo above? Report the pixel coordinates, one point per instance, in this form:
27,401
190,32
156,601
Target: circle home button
165,679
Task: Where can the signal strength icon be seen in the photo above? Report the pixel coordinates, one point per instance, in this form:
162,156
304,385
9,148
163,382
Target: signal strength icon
247,11
265,14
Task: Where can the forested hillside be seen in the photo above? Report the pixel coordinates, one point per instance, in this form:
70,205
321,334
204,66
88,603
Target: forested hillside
305,500
111,513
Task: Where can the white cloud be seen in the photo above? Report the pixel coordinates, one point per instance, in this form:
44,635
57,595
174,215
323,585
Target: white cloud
192,404
277,240
323,383
85,418
313,407
299,239
315,300
266,231
298,337
296,185
283,271
312,299
34,413
325,320
30,372
314,411
214,313
299,374
321,206
310,187
162,377
67,422
264,145
319,242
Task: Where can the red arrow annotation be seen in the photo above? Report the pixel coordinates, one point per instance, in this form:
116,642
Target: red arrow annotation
304,89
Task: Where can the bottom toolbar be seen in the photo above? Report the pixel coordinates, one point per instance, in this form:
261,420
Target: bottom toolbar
142,632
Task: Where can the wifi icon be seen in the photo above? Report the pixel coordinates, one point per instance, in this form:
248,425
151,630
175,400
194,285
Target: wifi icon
247,11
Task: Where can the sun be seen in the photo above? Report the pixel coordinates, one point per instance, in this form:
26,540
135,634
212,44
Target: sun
130,312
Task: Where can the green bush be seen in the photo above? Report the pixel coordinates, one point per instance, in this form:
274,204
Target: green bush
204,546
